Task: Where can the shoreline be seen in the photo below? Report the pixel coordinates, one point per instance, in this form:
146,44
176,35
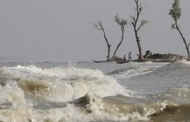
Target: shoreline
139,61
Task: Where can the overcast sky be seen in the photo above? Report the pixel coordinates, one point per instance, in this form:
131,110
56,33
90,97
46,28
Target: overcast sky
61,30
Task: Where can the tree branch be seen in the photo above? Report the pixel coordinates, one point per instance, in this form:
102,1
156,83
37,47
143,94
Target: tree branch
121,22
98,25
133,18
140,27
136,1
139,9
143,22
173,26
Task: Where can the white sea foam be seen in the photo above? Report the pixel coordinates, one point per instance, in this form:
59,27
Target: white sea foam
62,84
66,84
57,85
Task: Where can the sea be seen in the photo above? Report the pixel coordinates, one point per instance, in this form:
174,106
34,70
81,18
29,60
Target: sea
94,92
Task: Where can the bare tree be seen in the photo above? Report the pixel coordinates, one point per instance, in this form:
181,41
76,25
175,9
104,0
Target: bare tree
134,23
175,14
99,26
121,23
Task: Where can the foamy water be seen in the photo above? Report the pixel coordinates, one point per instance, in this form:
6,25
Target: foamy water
89,92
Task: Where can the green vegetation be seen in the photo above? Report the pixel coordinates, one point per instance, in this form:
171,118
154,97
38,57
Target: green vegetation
175,14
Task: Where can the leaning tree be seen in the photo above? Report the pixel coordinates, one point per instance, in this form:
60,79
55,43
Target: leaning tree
121,23
134,23
99,26
175,14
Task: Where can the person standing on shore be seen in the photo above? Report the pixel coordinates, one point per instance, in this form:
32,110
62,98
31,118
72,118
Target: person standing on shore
129,55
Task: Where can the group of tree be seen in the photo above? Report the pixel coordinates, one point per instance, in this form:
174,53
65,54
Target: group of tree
122,23
175,13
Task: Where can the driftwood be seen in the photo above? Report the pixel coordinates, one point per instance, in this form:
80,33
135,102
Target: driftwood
114,59
101,61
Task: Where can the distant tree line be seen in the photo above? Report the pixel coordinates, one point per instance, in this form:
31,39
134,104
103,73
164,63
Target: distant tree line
175,13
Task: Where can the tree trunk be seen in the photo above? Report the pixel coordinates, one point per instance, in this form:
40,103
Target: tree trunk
140,50
138,44
138,10
184,40
109,48
108,45
122,37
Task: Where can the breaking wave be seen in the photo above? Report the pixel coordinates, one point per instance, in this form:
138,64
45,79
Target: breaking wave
174,68
172,105
132,71
161,69
62,84
71,94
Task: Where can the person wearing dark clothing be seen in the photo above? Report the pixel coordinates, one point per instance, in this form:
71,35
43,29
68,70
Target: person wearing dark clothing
129,55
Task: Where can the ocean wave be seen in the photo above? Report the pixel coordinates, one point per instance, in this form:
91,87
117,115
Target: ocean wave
170,69
175,113
132,71
176,67
172,105
71,94
63,83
